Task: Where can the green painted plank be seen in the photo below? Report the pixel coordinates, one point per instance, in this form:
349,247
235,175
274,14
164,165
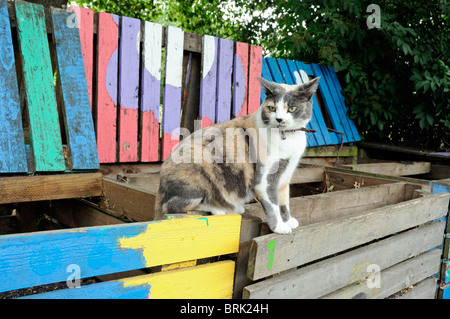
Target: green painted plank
80,132
12,147
45,131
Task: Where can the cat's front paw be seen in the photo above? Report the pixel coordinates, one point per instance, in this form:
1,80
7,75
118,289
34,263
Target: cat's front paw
292,223
282,228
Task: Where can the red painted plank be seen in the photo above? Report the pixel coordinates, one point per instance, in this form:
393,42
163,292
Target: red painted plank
107,86
254,86
129,53
240,80
85,22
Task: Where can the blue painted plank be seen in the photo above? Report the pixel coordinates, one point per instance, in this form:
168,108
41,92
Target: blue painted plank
341,97
265,72
339,102
330,138
81,140
12,144
337,119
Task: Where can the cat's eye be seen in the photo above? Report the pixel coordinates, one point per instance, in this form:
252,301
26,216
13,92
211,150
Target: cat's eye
272,108
292,109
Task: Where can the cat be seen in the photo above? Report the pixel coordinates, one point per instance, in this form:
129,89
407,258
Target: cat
224,166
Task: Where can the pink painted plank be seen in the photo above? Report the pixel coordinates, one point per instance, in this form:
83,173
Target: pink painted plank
108,27
129,89
254,86
207,111
85,21
240,79
150,91
224,71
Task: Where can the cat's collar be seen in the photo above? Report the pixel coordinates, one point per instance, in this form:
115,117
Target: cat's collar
304,129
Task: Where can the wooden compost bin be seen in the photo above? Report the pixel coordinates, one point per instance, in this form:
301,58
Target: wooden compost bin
344,238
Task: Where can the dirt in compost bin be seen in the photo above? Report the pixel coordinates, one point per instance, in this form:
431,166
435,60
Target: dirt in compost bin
44,288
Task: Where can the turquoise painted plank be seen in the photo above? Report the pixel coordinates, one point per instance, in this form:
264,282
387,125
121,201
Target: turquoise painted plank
330,138
45,131
80,132
12,144
339,102
34,259
338,87
265,73
337,119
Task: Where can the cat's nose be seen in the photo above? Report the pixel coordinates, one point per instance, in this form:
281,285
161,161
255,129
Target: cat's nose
279,120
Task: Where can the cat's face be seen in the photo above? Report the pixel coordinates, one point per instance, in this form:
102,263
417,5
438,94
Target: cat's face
287,106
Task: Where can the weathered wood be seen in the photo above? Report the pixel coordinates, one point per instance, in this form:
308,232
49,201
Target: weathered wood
240,80
394,278
81,141
12,144
314,241
426,289
340,271
150,91
393,169
208,83
45,256
106,79
254,86
172,90
128,100
48,187
40,92
224,71
209,281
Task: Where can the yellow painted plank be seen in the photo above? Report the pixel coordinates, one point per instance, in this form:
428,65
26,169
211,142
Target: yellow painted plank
208,281
178,240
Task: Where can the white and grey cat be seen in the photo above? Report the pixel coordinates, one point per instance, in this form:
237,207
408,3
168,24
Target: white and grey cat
224,166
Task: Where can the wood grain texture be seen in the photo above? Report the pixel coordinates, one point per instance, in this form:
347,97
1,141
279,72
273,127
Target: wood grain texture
85,24
224,72
208,83
129,64
107,68
12,144
208,281
40,92
341,234
81,141
150,91
102,250
48,187
392,169
240,80
254,86
172,90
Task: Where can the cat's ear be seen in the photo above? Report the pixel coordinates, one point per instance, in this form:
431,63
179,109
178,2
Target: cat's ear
270,88
309,88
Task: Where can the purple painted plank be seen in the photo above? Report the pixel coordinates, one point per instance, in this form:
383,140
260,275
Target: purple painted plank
208,82
224,71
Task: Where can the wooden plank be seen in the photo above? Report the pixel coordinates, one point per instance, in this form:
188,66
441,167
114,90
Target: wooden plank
224,71
81,141
208,83
129,64
209,281
102,250
107,68
240,80
393,168
38,79
426,289
12,144
265,73
254,86
340,271
309,243
150,91
48,187
85,24
172,90
393,279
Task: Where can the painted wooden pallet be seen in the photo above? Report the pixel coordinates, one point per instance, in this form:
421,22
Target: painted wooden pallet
45,150
292,72
56,256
